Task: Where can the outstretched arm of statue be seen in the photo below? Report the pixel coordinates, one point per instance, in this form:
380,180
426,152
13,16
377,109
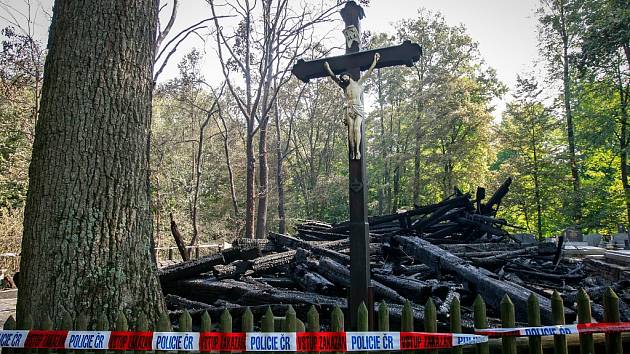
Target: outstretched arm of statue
331,74
367,75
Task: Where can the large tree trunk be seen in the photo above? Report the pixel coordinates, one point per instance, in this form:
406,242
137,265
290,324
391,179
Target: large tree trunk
87,226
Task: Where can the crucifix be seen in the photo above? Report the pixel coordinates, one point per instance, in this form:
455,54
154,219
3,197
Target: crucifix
349,67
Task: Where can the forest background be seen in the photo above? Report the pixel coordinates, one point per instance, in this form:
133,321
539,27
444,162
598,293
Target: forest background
261,150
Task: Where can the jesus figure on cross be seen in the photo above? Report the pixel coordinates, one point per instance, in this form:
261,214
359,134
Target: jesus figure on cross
355,114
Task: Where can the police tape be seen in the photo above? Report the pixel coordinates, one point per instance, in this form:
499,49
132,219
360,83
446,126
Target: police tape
236,342
580,328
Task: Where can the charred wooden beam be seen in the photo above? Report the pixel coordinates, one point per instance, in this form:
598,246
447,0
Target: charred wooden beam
501,258
491,207
271,262
264,244
278,282
179,240
271,295
209,289
233,270
480,280
446,212
293,242
189,269
243,253
415,290
340,275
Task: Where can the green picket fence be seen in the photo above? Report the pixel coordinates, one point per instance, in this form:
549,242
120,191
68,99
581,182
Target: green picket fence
291,323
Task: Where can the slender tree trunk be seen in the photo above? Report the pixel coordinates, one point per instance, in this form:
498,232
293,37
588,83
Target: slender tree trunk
417,150
382,186
623,145
537,189
250,196
87,225
575,174
158,212
199,156
396,191
263,181
226,150
282,222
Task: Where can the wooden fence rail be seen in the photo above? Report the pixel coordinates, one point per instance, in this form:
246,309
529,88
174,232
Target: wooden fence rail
291,322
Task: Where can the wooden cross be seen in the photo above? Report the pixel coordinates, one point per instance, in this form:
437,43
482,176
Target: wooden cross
351,64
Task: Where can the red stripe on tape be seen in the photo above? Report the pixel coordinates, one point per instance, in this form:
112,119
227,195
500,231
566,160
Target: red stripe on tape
46,339
119,340
496,333
603,327
321,341
209,341
421,340
232,342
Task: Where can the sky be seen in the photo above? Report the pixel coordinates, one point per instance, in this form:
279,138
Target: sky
504,29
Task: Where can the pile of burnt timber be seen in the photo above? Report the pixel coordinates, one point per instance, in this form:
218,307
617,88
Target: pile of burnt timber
413,257
459,218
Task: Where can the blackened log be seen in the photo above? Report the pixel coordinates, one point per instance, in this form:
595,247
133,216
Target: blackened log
415,290
293,242
501,258
544,274
309,280
445,306
313,225
209,290
233,270
264,245
446,231
322,235
491,207
479,247
454,202
413,269
278,282
271,262
179,241
340,275
271,295
174,302
446,212
189,269
480,280
243,253
482,226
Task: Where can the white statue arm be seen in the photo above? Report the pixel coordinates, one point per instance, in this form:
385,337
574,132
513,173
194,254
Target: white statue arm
367,75
331,74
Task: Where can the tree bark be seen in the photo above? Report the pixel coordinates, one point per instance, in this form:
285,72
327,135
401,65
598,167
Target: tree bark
282,222
384,147
577,199
623,143
263,181
537,183
226,150
250,197
195,202
87,226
